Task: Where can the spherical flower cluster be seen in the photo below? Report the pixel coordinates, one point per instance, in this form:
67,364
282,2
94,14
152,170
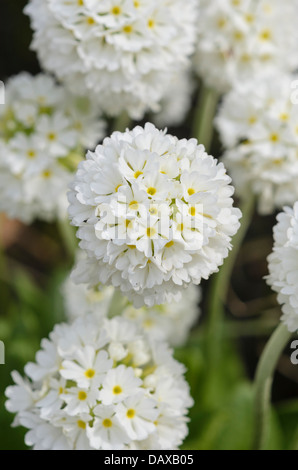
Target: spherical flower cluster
101,385
169,322
238,39
154,214
43,133
283,265
124,51
258,124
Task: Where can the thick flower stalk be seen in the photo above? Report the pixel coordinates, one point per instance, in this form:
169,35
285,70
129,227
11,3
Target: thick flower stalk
43,133
124,52
155,214
283,265
258,125
101,385
170,322
245,39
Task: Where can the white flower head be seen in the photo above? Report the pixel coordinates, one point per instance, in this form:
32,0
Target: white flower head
283,265
241,39
90,400
258,125
155,214
124,52
43,133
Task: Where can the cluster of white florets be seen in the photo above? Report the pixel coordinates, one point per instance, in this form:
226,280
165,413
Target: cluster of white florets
101,385
155,214
238,39
171,322
124,51
283,265
43,134
258,125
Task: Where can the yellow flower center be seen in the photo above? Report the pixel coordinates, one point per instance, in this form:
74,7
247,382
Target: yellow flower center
47,174
170,244
133,205
249,18
151,191
117,390
252,120
107,423
31,154
82,395
151,232
81,424
274,137
265,35
52,136
151,23
137,174
153,210
130,413
192,211
238,35
221,22
127,29
90,373
191,191
116,10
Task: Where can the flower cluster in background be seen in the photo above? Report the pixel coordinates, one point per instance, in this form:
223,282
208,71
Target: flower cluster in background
258,125
43,133
170,322
283,265
245,39
124,52
101,385
154,214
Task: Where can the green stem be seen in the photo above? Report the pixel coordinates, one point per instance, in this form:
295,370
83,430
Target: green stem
216,301
221,281
263,382
122,122
203,120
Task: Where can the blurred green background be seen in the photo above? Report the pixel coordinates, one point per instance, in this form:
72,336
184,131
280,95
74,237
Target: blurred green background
34,263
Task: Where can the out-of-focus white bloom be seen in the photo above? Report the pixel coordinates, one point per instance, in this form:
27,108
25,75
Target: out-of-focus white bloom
124,52
283,265
258,125
170,322
176,101
43,133
77,396
155,214
243,39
